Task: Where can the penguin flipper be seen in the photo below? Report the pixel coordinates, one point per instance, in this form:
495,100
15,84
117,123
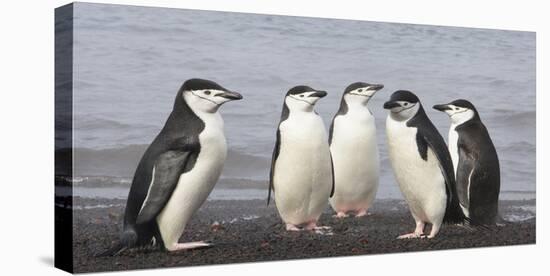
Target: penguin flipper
428,136
276,150
331,130
436,143
167,170
463,176
332,172
471,185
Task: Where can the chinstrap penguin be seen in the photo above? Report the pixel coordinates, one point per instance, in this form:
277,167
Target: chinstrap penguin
178,170
422,165
301,168
354,150
475,162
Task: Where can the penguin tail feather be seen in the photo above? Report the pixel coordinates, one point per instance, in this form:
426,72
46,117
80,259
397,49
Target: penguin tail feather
269,195
454,214
485,227
128,239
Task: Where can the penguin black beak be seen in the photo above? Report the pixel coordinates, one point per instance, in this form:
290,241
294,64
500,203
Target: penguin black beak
230,95
390,105
376,87
441,107
318,94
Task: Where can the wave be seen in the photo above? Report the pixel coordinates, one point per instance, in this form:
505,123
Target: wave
523,115
87,123
523,147
117,164
94,181
511,117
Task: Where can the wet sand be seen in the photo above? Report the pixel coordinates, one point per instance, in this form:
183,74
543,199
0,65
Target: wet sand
248,231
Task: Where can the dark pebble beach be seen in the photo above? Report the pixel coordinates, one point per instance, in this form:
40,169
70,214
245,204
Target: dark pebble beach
249,231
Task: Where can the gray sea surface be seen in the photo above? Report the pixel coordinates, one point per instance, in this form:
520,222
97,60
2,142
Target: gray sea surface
130,61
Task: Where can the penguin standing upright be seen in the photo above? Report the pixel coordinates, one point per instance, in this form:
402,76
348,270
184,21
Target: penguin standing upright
354,150
475,162
178,170
422,165
301,168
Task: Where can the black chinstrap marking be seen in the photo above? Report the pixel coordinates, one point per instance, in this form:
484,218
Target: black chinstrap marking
367,96
303,101
405,108
192,92
458,113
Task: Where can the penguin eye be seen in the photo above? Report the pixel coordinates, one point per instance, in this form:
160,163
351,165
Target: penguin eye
405,104
302,95
207,92
360,90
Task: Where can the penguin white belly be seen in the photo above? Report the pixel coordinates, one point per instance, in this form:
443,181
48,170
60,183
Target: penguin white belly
195,185
356,162
453,150
303,173
421,182
453,147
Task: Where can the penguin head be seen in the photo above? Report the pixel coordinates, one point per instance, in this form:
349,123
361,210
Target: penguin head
403,105
459,111
361,92
303,97
206,95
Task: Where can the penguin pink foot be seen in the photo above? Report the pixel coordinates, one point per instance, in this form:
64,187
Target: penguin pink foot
341,215
362,213
189,245
312,226
292,227
409,236
418,232
433,232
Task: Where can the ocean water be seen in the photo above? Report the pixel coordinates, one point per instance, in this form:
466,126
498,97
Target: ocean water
130,61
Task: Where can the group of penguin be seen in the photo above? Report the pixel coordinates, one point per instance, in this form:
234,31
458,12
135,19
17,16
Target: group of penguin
458,184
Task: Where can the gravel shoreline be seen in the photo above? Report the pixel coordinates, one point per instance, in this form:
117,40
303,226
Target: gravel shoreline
249,231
